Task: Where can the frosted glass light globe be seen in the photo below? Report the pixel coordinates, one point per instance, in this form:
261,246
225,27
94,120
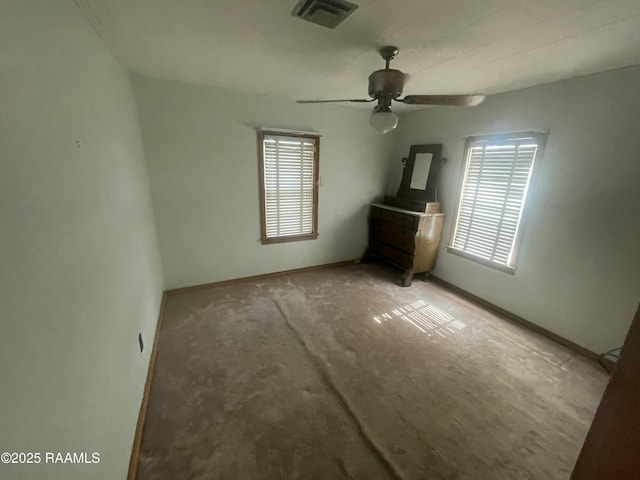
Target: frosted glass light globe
383,121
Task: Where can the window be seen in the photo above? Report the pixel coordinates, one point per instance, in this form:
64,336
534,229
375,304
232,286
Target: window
497,172
288,186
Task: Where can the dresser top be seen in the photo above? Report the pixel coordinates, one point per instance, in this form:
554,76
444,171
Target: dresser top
406,212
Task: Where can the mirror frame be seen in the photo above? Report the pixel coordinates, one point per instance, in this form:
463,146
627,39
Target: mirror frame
429,192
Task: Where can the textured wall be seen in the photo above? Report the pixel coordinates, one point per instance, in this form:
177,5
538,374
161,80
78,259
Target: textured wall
80,272
578,269
201,149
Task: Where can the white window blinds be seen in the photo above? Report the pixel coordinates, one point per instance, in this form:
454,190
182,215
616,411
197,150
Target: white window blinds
289,185
494,189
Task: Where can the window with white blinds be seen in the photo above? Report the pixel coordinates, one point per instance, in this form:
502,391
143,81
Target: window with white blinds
494,188
288,171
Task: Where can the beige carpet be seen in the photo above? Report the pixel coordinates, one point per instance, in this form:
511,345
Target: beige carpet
342,374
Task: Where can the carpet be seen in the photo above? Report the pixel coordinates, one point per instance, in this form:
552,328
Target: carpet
342,374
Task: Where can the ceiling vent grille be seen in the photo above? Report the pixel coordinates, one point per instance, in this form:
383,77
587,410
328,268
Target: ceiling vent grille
328,13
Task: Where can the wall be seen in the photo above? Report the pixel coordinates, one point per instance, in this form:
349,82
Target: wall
80,273
201,150
578,269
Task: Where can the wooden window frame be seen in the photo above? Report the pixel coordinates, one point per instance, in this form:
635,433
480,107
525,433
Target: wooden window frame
541,139
263,212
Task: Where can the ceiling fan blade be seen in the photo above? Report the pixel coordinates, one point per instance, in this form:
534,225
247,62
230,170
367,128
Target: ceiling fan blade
355,100
453,100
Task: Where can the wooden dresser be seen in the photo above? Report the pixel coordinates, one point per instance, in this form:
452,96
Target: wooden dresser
405,238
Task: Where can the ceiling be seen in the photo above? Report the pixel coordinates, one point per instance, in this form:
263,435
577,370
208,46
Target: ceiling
448,46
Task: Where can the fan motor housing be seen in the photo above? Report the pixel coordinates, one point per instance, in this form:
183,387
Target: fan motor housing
386,83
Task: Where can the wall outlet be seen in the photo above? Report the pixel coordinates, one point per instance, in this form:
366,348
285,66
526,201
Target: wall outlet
140,342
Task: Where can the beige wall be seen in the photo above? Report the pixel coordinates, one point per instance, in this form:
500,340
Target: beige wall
579,263
201,150
80,273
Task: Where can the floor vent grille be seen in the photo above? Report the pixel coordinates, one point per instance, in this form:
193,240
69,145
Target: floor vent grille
328,13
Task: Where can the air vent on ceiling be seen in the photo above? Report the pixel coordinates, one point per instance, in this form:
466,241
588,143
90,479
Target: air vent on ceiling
328,13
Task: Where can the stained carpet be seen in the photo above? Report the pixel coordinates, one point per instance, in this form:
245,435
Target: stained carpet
342,374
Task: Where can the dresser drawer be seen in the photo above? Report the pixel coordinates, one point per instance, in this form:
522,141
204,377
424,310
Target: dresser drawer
407,221
393,234
406,238
393,254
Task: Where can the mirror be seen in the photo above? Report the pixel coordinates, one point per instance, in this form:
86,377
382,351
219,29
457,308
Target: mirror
420,174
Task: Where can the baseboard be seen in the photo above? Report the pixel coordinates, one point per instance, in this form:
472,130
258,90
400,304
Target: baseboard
264,276
521,321
142,414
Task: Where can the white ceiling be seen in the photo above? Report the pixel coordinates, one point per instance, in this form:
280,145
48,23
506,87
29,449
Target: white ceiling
448,46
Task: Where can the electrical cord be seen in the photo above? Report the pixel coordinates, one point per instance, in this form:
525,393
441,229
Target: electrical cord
611,353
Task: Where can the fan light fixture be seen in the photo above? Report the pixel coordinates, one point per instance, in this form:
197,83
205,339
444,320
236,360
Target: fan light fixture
383,120
385,87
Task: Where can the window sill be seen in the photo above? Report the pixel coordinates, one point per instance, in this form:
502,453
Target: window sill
290,238
482,261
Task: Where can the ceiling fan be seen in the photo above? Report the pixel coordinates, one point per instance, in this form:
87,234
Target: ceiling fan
386,85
